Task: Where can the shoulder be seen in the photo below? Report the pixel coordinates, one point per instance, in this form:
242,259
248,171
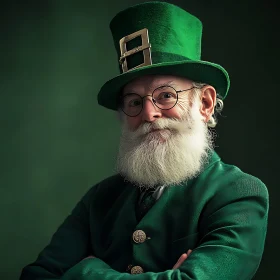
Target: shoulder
229,183
234,177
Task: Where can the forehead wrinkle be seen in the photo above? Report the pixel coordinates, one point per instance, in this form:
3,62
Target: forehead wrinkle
161,84
149,87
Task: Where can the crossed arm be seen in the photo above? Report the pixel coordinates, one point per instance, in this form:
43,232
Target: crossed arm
180,261
233,233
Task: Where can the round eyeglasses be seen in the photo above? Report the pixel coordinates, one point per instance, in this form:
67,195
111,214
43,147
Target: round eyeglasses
164,97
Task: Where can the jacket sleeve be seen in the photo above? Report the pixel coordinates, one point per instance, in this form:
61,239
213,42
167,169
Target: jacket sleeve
69,244
233,227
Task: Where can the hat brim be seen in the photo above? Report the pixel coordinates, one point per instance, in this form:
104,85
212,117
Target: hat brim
198,71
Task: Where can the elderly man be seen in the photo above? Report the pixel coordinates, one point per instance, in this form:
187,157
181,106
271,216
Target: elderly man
174,210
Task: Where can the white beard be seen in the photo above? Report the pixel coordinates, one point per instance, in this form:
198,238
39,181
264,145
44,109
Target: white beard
167,157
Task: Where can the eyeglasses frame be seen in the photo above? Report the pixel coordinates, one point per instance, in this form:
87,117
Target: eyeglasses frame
154,101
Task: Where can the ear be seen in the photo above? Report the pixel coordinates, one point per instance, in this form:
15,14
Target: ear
208,101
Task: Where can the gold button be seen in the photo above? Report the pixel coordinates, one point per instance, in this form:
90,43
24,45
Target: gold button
136,270
139,236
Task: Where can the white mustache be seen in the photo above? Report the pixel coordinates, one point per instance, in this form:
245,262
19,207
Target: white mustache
174,125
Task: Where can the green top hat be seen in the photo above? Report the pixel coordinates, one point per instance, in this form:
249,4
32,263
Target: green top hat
159,38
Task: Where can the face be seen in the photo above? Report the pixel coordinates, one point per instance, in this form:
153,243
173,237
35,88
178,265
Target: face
150,113
165,147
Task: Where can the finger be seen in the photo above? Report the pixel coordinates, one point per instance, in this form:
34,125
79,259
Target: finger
180,261
189,252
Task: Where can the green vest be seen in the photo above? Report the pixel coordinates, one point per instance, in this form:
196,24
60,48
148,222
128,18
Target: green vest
221,215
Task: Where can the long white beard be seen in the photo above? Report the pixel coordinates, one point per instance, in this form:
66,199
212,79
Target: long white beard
167,157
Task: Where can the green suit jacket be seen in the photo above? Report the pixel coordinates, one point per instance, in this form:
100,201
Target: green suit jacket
221,215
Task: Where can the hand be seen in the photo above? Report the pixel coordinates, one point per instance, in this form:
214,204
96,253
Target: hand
182,259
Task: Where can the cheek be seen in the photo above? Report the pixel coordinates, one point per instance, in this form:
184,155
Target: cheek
175,112
184,104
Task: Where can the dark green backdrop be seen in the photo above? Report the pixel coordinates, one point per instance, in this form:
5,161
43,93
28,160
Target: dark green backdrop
56,142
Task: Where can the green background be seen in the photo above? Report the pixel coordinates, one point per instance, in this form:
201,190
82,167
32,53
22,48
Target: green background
56,142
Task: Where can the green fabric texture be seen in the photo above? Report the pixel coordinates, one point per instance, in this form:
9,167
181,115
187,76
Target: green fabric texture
221,215
175,37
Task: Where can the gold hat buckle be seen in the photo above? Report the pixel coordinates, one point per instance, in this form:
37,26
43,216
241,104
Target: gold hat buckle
145,47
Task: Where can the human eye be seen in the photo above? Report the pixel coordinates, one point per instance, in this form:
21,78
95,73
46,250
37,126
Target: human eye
165,95
134,102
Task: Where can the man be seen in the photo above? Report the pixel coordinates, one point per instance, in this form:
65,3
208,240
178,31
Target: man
174,210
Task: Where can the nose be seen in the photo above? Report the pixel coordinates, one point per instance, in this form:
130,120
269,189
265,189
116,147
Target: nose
150,111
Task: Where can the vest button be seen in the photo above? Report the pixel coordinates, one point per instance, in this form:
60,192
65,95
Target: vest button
139,236
136,270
